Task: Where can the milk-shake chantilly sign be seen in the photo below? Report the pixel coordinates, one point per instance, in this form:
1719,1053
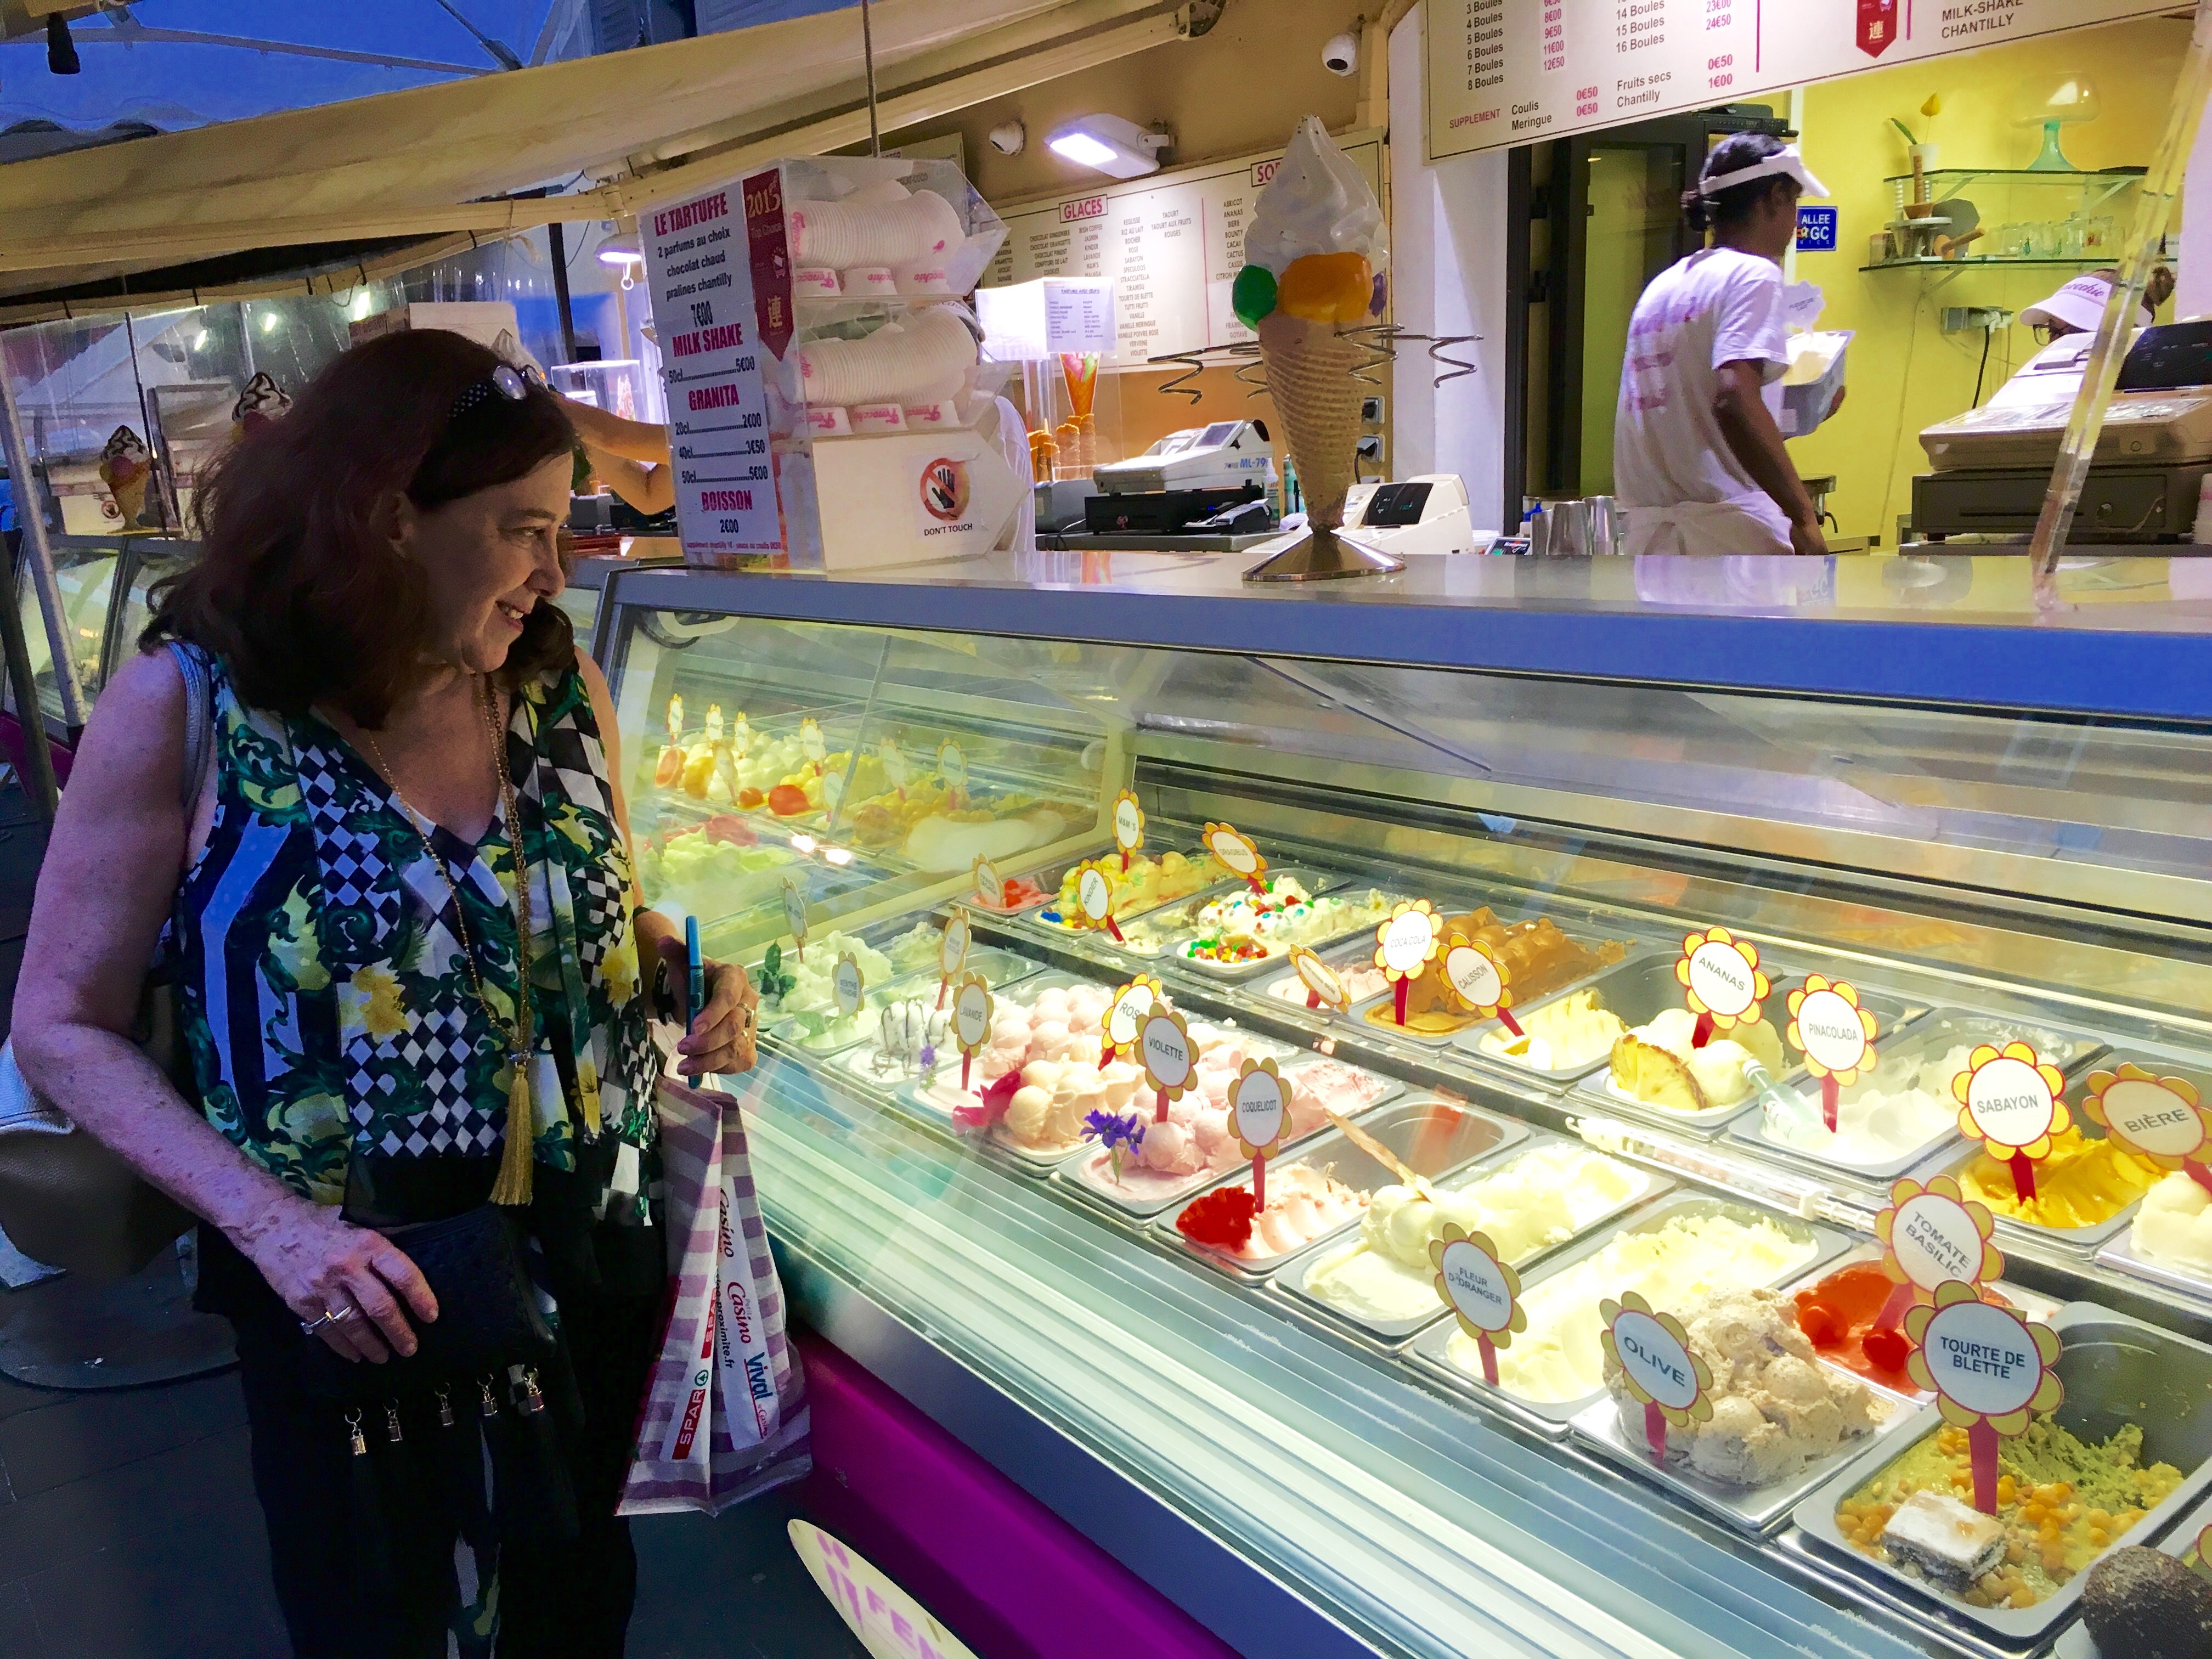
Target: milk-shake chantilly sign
1505,72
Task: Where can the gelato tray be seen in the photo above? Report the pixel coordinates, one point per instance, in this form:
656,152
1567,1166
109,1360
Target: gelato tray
1231,932
1354,965
1784,1421
1652,1072
2128,1451
1195,1147
1680,1249
895,964
912,1042
1541,957
1150,883
2169,1240
1328,1185
1380,1285
1837,1309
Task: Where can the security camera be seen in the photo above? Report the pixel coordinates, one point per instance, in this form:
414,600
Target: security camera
1341,55
1008,137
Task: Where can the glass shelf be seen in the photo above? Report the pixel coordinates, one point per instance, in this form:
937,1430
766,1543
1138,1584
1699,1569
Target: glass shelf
2005,261
2054,175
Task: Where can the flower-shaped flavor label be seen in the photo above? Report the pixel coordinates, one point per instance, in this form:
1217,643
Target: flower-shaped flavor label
1259,1112
847,985
990,886
951,766
1482,981
1991,1370
971,1020
795,914
2160,1118
1722,981
1238,852
1653,1352
1167,1054
1405,945
741,735
2010,1099
1481,1289
1323,982
1931,1237
1128,825
1125,1014
1835,1034
952,944
1094,896
812,745
895,764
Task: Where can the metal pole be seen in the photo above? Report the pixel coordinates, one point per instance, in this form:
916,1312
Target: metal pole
31,513
30,720
556,244
868,53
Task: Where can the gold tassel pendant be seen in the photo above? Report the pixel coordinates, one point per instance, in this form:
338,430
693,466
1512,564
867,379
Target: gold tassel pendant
513,1186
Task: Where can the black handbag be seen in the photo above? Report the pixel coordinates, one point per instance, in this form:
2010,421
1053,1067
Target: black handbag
488,1315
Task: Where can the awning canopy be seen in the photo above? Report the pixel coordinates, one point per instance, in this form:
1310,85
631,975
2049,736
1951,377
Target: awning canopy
440,161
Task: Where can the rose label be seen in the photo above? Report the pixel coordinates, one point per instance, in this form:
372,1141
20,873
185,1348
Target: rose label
1722,981
2009,1099
1990,1369
1835,1034
1482,1291
1124,1015
2160,1118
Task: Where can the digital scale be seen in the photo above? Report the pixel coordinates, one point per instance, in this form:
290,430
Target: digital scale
1991,466
1426,513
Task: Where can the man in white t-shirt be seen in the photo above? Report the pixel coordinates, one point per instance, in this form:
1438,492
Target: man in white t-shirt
1698,457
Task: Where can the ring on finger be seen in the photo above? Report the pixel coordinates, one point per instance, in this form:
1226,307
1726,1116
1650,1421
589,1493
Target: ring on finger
330,1317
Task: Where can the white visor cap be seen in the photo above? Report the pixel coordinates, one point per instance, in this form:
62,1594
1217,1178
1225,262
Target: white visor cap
2079,304
1785,163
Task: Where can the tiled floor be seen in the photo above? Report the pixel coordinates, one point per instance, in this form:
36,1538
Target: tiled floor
129,1529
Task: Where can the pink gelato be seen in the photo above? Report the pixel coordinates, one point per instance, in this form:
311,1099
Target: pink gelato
1303,1203
1362,980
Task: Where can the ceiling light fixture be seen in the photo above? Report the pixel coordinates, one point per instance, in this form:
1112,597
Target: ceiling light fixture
1109,144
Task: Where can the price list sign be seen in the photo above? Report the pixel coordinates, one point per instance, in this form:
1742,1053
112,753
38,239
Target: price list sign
698,266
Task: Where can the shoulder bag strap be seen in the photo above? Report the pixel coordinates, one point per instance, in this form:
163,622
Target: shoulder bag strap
199,723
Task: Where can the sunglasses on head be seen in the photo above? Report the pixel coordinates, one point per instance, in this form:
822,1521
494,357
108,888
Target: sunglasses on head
507,382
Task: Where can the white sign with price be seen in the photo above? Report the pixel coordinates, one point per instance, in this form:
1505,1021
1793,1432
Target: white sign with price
1511,71
698,269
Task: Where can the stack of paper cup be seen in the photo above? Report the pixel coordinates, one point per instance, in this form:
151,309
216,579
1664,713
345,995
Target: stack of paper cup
918,230
925,356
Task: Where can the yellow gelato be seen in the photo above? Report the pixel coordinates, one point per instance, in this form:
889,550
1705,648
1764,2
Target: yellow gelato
1559,1358
2174,1226
1542,1197
1565,1035
1656,1064
2082,1182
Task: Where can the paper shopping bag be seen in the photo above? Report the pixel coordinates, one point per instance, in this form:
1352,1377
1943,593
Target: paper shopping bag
725,1416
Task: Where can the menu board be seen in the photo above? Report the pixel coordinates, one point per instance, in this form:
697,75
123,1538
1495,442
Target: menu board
1505,72
1171,244
700,274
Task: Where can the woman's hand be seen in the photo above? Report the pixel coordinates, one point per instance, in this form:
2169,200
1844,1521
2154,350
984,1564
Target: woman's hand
721,1038
321,1264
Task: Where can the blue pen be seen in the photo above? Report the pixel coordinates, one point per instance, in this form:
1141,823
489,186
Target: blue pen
697,965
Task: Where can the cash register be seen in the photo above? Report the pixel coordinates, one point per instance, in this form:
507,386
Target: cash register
1989,468
1202,480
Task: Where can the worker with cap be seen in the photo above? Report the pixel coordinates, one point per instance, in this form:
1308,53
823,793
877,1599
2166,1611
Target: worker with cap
2065,328
1698,462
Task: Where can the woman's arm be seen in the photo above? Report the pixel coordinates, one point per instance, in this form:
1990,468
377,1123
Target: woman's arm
634,440
649,489
721,1039
111,871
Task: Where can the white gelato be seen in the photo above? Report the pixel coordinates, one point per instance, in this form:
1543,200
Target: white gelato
1898,1109
1317,202
2174,1226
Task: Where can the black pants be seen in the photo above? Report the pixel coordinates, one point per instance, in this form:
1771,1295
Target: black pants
569,1600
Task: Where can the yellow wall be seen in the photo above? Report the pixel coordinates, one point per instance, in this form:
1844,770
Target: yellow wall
1905,374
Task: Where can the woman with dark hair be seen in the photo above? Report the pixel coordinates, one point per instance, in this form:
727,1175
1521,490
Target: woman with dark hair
1698,456
406,946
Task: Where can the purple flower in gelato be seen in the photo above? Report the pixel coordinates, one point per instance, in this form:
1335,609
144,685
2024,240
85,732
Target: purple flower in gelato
1117,1132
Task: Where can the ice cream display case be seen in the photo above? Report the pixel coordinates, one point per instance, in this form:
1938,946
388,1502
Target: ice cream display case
1519,974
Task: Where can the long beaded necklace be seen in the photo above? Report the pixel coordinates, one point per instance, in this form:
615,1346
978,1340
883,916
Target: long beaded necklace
513,1185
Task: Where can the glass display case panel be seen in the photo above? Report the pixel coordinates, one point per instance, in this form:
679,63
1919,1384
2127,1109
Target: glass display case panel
871,770
85,571
1297,1389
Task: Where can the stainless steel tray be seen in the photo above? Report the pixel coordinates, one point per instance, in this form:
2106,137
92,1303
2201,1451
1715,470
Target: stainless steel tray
1241,972
1388,1335
1050,878
1173,928
1760,1511
2116,1371
2119,1252
1000,967
1082,1185
856,1061
1338,956
1466,1035
1637,991
1552,1419
1433,1137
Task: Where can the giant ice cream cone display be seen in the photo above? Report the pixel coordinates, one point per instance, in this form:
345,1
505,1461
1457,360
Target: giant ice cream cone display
1315,256
125,467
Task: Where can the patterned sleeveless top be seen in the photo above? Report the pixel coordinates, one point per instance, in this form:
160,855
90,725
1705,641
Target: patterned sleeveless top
325,1003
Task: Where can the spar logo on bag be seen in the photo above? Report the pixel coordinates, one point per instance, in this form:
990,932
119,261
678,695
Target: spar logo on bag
694,1408
945,489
